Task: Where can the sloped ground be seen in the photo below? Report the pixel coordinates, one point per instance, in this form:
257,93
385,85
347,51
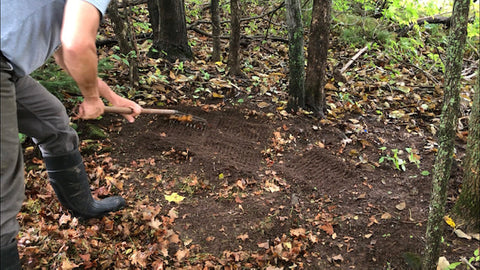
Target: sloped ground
261,191
257,188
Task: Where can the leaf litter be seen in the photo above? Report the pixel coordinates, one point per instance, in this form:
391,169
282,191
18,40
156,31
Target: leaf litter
296,192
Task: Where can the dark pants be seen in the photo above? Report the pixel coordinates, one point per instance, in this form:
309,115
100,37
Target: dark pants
26,107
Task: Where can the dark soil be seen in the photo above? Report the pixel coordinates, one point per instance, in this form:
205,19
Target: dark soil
249,173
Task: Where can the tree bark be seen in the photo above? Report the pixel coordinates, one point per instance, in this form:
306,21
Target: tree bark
125,40
234,46
214,9
317,57
296,85
170,39
446,134
467,208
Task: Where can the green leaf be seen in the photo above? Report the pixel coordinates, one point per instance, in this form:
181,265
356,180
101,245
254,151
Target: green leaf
454,265
425,173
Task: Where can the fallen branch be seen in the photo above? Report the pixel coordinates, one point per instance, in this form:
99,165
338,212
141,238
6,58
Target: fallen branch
430,76
355,57
113,41
258,37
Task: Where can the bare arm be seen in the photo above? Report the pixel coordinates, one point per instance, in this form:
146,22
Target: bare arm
78,56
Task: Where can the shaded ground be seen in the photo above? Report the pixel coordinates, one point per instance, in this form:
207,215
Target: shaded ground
261,189
290,191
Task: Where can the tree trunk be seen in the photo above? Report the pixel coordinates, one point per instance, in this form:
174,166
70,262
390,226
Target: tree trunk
296,55
170,39
234,50
214,9
125,38
446,134
317,57
467,208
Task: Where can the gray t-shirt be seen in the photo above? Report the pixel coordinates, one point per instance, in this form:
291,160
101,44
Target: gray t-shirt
30,30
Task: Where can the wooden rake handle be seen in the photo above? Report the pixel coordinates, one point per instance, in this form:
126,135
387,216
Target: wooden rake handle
125,110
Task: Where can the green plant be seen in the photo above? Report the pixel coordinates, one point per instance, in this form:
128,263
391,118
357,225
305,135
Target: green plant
205,75
398,162
413,157
474,258
179,67
55,80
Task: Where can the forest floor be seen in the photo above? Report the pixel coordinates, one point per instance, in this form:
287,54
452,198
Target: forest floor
249,191
257,187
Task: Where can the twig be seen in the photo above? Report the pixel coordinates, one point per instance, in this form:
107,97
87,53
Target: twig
271,17
415,66
274,38
464,260
354,58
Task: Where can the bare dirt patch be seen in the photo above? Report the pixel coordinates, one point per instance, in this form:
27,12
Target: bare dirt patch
287,192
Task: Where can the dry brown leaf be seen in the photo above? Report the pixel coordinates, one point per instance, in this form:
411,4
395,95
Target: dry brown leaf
461,234
182,253
338,257
264,245
386,215
328,228
68,265
372,220
401,206
210,238
155,223
243,237
297,232
64,219
263,104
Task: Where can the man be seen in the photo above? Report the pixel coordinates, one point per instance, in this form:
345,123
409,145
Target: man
31,31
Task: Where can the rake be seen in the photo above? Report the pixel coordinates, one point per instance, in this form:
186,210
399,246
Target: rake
189,119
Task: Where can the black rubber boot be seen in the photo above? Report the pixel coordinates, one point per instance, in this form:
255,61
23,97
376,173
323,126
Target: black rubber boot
9,259
70,182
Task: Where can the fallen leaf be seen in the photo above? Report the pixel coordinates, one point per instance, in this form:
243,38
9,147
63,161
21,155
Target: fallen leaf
461,234
386,215
330,86
155,223
270,267
443,264
174,197
64,219
68,265
338,257
263,104
372,220
210,238
449,221
401,206
264,245
475,236
243,237
298,232
217,95
397,114
182,253
269,186
328,228
173,214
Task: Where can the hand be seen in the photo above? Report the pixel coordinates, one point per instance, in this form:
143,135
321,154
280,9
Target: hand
123,102
116,100
90,108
